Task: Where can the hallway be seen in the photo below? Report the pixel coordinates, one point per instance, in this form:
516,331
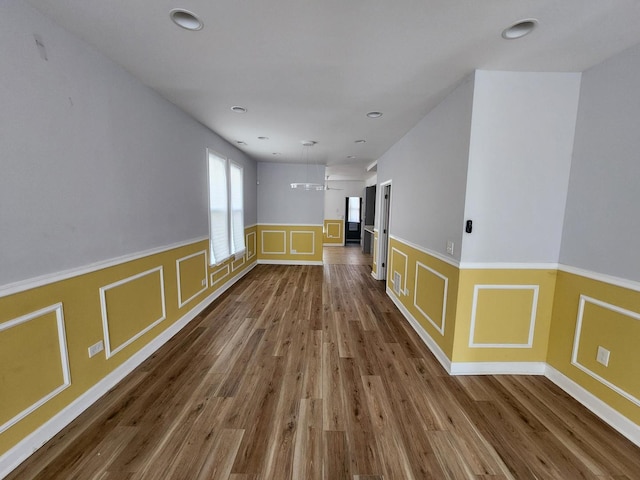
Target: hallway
308,372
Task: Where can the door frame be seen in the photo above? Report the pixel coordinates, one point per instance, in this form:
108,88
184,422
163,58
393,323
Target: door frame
382,261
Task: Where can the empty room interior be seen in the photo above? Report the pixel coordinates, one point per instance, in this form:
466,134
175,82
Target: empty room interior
330,240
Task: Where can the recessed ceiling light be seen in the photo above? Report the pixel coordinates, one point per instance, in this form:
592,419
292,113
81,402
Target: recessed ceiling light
238,109
308,143
240,142
519,29
186,19
276,153
263,138
351,156
360,141
374,114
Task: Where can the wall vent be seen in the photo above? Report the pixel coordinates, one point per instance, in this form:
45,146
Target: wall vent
397,281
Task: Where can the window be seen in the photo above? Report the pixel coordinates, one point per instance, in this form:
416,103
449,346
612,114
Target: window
353,215
226,212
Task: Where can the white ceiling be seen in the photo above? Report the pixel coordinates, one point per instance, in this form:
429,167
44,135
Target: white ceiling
309,69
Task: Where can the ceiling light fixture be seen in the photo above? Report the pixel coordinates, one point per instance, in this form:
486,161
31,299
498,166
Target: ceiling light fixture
186,19
263,138
374,114
276,153
308,186
519,29
360,141
351,156
240,142
238,109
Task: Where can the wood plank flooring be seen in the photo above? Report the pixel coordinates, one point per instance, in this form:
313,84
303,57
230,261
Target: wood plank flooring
310,372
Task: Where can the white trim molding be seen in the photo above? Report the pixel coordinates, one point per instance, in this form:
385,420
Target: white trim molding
321,225
181,303
532,319
393,270
439,328
584,299
450,260
334,222
248,253
422,333
284,242
313,242
507,266
601,277
105,318
608,414
64,359
17,454
30,283
290,262
498,368
226,267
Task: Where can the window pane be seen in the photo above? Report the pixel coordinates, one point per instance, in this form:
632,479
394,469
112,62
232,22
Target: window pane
237,210
218,209
354,210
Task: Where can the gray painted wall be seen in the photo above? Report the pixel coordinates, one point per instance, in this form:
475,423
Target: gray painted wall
279,203
601,225
94,165
428,167
519,161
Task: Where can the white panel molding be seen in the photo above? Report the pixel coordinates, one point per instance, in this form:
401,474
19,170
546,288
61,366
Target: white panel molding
284,236
432,253
601,277
181,303
226,267
422,333
247,227
64,359
290,262
439,328
17,454
28,284
576,344
233,263
250,254
109,352
393,270
339,223
532,320
313,242
498,368
608,414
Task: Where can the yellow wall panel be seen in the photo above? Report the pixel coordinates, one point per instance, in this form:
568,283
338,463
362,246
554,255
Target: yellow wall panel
374,264
431,290
192,276
503,315
334,232
131,307
32,364
290,244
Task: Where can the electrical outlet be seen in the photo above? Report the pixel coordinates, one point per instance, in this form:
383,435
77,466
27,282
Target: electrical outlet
406,292
96,348
204,282
449,247
603,356
293,251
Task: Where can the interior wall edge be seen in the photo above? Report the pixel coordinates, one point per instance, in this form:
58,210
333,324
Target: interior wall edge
11,459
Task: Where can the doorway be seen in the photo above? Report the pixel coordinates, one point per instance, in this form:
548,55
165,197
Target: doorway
352,222
383,234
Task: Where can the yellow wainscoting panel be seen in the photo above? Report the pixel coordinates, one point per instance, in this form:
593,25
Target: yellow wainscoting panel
34,365
221,273
430,295
333,232
252,247
290,244
192,276
126,295
503,316
428,289
274,242
131,307
589,313
302,242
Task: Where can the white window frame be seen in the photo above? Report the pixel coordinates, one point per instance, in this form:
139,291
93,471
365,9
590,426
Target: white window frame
234,250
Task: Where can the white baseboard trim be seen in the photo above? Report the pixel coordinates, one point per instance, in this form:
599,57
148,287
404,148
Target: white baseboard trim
333,244
290,262
498,368
426,338
10,460
609,415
